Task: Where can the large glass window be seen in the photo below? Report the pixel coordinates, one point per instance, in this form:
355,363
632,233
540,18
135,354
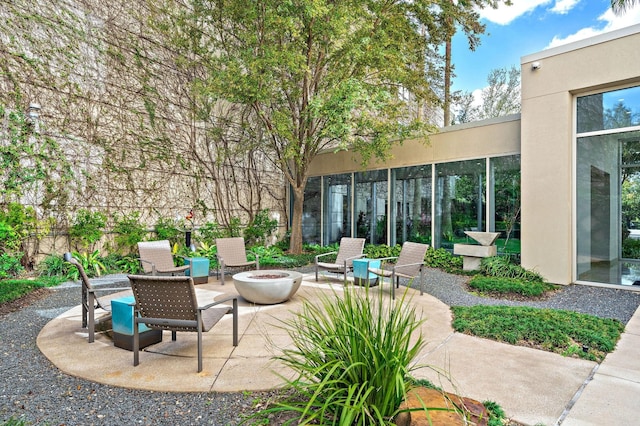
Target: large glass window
337,211
505,202
411,201
312,211
371,191
608,188
460,201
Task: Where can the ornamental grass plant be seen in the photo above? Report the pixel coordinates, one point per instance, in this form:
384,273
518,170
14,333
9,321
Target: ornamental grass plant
352,354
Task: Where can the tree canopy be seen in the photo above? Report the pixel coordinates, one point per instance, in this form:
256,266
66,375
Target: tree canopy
315,75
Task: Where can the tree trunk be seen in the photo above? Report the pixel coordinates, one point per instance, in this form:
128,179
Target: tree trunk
295,243
447,83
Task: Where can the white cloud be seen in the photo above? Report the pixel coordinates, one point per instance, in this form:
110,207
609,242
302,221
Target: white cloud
611,20
504,15
563,7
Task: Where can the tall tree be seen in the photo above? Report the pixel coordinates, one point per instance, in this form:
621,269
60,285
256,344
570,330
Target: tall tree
315,75
620,7
500,97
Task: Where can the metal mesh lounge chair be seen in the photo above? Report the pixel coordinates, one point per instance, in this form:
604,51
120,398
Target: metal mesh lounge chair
350,248
156,258
231,253
90,300
409,264
170,303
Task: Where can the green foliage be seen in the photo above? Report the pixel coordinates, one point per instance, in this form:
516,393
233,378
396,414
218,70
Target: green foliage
234,229
352,355
166,229
496,413
210,231
87,228
631,248
559,331
128,232
501,266
10,265
9,239
12,421
260,228
443,259
503,286
382,250
118,263
53,265
91,262
14,289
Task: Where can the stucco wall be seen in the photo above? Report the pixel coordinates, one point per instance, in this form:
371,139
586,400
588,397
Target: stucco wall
487,138
601,63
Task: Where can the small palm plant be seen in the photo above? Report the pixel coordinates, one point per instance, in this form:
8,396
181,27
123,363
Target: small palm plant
352,355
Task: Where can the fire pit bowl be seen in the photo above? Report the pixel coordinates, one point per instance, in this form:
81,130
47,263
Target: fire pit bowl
265,287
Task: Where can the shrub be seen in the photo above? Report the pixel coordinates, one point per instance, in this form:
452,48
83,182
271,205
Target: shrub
352,355
382,250
631,248
501,266
87,228
210,231
54,266
260,228
128,232
443,259
10,265
167,229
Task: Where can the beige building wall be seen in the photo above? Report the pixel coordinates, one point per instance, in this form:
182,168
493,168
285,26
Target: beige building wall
606,62
489,138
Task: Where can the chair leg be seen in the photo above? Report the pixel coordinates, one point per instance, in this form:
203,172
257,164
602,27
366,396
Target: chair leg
316,272
421,281
136,342
199,319
222,273
173,336
91,326
393,286
235,322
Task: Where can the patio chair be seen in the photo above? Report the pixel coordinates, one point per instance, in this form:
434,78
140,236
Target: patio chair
90,300
170,303
350,248
156,258
231,253
409,264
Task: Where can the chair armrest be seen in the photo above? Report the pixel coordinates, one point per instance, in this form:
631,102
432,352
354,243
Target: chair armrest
153,265
217,302
355,257
408,264
325,254
95,290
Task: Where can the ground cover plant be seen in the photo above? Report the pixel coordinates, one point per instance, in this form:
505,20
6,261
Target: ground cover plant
565,332
500,286
352,356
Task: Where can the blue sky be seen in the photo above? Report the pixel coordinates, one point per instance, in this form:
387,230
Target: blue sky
529,26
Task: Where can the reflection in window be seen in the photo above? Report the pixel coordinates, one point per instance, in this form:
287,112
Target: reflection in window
505,174
311,211
337,212
411,201
371,206
610,110
460,201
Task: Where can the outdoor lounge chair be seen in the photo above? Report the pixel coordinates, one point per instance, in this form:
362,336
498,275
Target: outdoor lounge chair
231,253
409,264
350,248
170,303
90,300
156,258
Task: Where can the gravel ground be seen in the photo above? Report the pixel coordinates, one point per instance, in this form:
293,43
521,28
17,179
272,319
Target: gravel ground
32,389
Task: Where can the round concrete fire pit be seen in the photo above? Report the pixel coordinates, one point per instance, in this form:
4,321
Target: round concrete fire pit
267,287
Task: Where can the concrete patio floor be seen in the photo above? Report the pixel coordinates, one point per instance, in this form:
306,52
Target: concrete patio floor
532,386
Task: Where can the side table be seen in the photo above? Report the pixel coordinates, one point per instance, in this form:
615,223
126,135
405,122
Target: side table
361,274
122,310
198,269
